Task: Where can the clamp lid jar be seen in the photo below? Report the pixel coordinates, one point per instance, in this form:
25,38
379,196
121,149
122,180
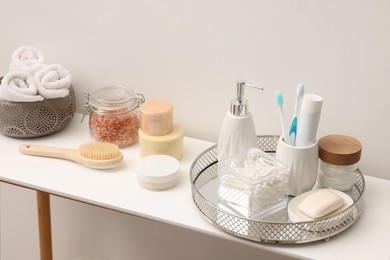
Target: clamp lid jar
114,115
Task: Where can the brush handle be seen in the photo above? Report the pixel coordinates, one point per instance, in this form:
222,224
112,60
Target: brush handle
49,151
69,154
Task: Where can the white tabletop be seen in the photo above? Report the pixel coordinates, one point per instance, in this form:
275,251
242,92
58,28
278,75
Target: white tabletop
117,189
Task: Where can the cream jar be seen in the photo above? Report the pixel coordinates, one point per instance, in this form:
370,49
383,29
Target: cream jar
339,155
158,172
156,117
170,144
114,115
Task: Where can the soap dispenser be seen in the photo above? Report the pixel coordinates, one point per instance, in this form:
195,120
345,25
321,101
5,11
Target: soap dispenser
238,133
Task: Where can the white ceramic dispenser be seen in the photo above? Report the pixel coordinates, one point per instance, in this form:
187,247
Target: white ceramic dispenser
238,133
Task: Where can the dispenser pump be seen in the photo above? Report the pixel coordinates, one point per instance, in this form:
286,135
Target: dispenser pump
238,106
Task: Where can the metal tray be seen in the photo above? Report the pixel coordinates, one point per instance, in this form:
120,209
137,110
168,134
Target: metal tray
277,228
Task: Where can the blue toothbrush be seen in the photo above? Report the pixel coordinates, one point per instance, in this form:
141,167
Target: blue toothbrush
279,102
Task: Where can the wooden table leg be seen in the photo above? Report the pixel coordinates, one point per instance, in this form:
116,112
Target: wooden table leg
43,203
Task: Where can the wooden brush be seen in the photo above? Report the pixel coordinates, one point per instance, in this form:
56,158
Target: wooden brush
98,155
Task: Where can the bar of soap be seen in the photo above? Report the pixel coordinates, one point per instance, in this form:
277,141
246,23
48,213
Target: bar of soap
320,203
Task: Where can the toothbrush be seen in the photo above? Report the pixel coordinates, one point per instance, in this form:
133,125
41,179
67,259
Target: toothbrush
279,102
299,92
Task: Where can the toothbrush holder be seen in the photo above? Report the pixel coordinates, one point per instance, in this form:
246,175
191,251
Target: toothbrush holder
303,164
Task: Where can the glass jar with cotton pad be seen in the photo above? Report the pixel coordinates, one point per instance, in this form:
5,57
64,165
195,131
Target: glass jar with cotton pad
158,172
339,155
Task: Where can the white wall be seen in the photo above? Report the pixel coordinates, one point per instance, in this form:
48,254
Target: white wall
191,53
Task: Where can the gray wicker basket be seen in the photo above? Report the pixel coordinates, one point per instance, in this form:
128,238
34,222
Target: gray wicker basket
35,119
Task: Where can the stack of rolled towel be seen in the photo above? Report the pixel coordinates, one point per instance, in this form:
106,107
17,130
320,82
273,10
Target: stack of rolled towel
30,79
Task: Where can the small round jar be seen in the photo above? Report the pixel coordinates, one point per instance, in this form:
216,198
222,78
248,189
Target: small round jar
339,155
170,144
114,115
158,172
156,117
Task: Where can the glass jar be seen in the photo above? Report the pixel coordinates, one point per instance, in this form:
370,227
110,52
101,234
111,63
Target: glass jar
114,115
339,155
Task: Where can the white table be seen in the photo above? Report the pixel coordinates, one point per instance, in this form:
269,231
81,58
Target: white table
368,238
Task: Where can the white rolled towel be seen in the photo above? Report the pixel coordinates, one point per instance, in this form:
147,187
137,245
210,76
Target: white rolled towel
19,86
53,81
27,58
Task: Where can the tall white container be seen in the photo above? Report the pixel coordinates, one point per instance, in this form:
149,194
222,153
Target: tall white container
238,133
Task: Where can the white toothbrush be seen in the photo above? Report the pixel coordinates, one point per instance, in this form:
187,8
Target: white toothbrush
279,102
300,91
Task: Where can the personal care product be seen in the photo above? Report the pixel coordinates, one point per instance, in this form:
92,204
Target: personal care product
253,183
170,144
339,155
279,102
156,117
238,133
299,92
114,115
96,155
309,118
158,172
320,203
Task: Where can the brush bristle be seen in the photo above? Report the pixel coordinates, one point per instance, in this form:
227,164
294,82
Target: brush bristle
300,91
99,151
279,98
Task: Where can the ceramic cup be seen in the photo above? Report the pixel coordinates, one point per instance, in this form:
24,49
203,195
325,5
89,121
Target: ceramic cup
303,164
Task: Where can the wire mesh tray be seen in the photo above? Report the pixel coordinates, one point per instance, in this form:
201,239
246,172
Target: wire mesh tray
278,228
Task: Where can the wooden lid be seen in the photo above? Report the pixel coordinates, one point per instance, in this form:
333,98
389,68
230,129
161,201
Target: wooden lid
156,109
339,149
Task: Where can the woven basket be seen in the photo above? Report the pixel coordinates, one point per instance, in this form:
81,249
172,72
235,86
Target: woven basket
35,119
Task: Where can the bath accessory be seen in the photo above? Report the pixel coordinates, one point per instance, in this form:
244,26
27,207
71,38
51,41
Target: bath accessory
339,156
303,165
35,119
320,203
158,172
203,177
170,144
279,102
238,133
28,59
19,86
253,184
114,115
309,118
53,81
299,92
93,155
296,215
156,117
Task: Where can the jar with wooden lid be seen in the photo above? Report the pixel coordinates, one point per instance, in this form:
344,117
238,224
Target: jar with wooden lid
114,115
339,155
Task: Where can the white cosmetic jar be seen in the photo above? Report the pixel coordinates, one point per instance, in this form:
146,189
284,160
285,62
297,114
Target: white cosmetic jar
158,172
